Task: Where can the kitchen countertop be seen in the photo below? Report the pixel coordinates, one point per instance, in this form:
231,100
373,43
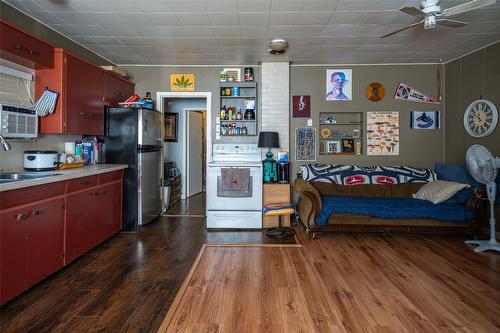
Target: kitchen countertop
61,175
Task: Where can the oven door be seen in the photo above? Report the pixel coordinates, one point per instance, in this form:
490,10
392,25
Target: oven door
216,201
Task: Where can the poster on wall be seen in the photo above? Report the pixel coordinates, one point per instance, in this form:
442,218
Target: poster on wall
182,82
424,120
339,84
382,130
305,144
301,106
407,93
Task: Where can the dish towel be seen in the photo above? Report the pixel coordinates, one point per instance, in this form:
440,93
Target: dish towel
235,179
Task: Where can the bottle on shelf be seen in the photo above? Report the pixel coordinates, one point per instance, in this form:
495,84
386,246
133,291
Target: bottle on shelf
223,113
230,112
239,115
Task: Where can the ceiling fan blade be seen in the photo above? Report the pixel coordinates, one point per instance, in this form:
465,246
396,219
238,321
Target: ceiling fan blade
451,23
402,29
413,11
465,7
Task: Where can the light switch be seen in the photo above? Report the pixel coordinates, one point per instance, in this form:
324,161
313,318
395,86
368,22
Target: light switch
309,122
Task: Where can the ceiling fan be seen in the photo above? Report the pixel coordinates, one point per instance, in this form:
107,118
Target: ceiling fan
431,14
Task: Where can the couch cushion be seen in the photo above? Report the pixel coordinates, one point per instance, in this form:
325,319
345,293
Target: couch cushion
331,189
372,191
439,191
405,190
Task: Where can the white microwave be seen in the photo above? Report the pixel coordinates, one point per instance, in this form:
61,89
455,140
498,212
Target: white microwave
18,122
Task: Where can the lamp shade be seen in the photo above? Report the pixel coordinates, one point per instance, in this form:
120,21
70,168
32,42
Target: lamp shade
269,140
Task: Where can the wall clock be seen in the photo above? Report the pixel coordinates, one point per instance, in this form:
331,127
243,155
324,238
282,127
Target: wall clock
480,118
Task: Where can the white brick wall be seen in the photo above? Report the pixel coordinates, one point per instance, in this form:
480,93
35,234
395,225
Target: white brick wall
275,100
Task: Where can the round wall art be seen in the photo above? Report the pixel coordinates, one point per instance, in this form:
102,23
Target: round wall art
375,91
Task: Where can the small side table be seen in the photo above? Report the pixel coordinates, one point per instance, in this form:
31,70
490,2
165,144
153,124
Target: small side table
275,193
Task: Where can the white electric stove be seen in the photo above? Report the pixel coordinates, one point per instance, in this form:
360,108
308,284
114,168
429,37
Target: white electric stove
234,212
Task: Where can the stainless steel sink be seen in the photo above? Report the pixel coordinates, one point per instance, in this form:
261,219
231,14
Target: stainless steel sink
13,177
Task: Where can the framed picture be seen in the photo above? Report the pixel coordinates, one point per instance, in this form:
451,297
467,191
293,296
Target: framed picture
424,120
233,74
182,82
347,145
356,133
333,146
338,85
305,144
301,106
171,125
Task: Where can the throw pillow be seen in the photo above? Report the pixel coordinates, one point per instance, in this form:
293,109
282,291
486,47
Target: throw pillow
439,191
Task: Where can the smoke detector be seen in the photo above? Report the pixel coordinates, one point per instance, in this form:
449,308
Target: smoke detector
278,46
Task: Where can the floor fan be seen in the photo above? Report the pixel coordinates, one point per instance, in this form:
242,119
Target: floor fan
483,167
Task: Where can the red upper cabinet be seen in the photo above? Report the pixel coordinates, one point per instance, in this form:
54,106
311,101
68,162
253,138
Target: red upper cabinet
116,90
85,109
24,49
79,108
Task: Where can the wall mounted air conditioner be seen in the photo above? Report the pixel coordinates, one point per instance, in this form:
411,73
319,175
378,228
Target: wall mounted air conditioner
17,122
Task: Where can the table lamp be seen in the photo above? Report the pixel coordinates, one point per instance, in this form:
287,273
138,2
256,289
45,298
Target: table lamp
269,140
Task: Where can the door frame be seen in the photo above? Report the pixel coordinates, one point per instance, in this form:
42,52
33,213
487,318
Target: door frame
161,95
185,139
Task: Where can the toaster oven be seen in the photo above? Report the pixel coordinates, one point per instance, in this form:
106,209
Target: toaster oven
17,122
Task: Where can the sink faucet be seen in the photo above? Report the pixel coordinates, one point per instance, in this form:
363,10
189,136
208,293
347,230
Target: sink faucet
5,145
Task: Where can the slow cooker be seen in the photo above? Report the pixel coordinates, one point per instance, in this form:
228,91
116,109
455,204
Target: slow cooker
40,160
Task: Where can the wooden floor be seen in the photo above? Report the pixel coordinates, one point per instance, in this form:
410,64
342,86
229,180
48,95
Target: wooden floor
342,283
124,285
192,206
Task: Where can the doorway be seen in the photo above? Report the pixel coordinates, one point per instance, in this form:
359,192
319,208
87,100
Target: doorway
189,151
194,146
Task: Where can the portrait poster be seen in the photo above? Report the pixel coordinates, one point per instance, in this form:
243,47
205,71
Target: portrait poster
382,130
301,106
338,85
425,120
305,144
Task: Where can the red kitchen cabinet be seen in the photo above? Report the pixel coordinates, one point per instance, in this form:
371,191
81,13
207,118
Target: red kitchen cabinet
79,108
81,223
32,245
110,208
116,90
45,234
24,49
13,254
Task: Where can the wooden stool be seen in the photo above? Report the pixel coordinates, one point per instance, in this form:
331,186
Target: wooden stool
279,210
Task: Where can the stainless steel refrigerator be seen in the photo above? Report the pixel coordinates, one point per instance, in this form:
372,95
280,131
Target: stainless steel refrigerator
134,137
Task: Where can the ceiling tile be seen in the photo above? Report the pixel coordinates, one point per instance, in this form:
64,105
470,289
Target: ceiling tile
284,18
255,6
224,19
220,5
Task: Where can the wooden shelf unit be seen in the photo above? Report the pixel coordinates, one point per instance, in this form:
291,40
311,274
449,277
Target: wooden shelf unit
275,193
342,126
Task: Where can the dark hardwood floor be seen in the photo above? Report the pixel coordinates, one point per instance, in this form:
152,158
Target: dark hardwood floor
126,284
192,206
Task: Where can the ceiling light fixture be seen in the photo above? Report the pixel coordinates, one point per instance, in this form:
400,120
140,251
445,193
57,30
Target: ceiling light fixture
278,46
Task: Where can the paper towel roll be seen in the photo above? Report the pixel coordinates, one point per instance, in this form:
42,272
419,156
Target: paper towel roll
69,148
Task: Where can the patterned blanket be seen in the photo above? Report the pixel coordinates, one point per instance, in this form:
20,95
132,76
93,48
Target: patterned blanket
357,175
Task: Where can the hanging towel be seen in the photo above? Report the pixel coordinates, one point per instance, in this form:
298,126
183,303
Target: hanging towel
46,104
235,179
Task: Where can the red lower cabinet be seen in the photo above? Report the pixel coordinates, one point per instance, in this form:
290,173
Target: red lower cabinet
45,236
39,233
13,254
32,245
81,223
109,220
